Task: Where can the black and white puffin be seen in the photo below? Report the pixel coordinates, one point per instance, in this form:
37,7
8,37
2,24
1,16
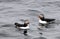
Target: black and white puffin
24,26
43,20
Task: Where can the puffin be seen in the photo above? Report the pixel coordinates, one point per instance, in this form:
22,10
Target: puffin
44,21
24,26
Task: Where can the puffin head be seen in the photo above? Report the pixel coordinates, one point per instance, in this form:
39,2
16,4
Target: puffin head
26,21
41,16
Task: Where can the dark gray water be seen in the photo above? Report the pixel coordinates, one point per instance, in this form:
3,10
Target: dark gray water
12,11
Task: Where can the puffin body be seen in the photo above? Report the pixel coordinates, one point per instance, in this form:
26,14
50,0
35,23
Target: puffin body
22,26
